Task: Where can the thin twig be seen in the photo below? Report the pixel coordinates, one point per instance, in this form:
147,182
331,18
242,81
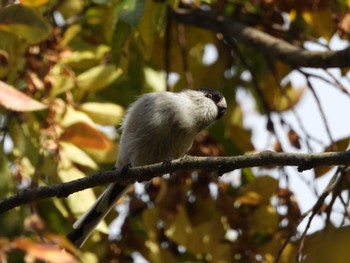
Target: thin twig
296,115
336,82
182,45
323,115
346,210
255,82
257,88
167,42
315,210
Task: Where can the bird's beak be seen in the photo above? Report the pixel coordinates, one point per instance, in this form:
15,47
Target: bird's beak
222,106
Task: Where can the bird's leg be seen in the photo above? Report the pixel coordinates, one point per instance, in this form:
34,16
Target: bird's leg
166,163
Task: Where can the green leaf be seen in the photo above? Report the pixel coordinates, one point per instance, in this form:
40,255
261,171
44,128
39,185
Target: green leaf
24,141
103,113
153,20
98,77
7,185
24,22
131,11
120,42
81,60
62,80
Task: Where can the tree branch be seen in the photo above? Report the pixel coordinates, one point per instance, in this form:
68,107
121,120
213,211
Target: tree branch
145,173
263,42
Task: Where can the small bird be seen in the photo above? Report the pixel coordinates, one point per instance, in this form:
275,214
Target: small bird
157,127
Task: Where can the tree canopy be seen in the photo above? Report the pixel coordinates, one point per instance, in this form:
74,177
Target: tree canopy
68,71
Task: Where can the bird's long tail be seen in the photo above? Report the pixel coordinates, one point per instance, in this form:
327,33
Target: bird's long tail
84,226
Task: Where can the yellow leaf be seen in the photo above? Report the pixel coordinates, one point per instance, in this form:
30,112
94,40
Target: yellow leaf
249,198
320,22
76,155
78,202
263,187
270,249
155,79
33,3
69,34
288,99
103,113
98,77
328,246
73,116
264,219
202,238
150,220
157,254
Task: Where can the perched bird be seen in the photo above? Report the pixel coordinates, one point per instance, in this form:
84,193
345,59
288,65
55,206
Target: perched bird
157,127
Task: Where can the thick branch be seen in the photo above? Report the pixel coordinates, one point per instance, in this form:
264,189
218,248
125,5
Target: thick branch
265,43
145,173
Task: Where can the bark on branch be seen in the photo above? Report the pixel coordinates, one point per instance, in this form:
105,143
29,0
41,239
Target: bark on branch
145,173
265,43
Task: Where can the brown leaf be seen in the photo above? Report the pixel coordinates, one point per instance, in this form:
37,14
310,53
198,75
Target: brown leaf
294,139
278,146
86,137
340,145
345,24
45,252
15,100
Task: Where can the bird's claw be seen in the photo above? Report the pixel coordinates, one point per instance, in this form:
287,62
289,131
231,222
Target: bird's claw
166,163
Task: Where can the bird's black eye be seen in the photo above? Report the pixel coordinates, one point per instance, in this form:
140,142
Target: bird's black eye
209,95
